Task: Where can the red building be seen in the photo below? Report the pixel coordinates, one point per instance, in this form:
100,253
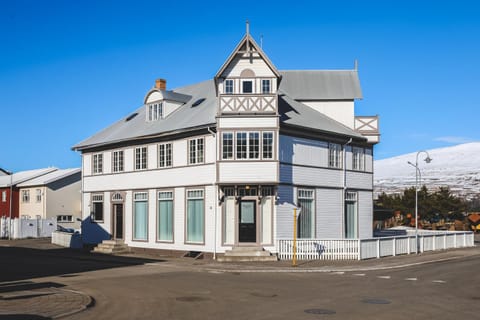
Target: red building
9,191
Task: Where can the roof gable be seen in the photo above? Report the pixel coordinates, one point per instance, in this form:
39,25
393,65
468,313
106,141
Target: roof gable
247,45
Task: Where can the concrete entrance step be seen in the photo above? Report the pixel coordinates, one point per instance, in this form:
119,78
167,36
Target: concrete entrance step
111,247
247,253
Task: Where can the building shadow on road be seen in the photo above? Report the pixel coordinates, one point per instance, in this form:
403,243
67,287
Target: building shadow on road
20,263
22,317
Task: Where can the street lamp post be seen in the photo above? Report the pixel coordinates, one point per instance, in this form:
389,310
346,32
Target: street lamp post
417,180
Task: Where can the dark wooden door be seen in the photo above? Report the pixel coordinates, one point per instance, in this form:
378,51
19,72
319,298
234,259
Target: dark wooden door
118,209
247,221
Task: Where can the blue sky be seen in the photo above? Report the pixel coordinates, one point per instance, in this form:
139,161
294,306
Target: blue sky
70,68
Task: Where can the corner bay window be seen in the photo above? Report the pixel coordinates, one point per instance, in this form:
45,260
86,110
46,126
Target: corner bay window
140,215
247,145
195,216
97,207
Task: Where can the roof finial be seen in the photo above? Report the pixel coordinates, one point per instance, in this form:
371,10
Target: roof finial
248,27
355,63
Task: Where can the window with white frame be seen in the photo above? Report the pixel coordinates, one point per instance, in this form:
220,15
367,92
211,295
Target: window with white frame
4,196
228,86
118,163
141,158
195,216
267,145
351,219
64,218
155,111
334,155
165,216
164,155
358,159
248,145
266,86
140,216
306,218
97,163
196,151
97,207
25,196
227,145
38,195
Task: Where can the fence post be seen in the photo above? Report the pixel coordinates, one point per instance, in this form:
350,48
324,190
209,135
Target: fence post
378,248
454,240
444,241
394,246
359,249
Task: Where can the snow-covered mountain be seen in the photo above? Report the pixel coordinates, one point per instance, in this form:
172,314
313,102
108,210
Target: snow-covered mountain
457,167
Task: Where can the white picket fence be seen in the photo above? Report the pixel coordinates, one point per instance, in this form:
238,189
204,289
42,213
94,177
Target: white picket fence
26,228
358,249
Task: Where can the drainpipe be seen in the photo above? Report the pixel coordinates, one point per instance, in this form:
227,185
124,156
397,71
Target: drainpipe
10,214
215,197
344,181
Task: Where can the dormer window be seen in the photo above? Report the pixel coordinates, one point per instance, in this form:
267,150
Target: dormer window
155,111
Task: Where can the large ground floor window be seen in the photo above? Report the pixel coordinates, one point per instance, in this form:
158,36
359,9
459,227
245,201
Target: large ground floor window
351,215
195,216
165,216
140,216
306,218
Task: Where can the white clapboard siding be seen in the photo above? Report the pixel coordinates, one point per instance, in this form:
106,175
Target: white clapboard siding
284,216
257,65
303,151
161,178
87,164
359,180
365,214
341,111
248,172
311,176
329,216
246,122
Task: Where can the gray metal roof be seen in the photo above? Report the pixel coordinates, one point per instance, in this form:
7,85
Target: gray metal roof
22,176
50,177
296,85
321,84
185,117
298,114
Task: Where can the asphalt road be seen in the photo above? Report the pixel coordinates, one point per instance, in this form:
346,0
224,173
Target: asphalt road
134,288
445,290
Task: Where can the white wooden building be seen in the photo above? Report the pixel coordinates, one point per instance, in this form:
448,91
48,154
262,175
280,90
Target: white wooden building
221,163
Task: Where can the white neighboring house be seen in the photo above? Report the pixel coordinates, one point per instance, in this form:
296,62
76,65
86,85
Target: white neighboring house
54,195
218,164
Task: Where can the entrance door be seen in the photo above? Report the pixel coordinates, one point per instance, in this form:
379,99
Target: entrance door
118,221
247,226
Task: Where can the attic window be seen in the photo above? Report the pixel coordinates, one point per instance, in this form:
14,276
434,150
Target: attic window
199,101
130,117
155,111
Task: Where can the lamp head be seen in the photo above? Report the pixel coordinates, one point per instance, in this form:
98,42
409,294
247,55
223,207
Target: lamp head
428,159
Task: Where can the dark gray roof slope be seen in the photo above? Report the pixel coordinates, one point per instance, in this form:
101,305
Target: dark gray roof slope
185,117
321,84
295,85
300,115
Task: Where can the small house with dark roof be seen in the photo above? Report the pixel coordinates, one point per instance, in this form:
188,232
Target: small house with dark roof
219,165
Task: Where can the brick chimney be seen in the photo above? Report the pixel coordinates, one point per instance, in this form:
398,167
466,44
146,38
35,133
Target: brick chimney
161,84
